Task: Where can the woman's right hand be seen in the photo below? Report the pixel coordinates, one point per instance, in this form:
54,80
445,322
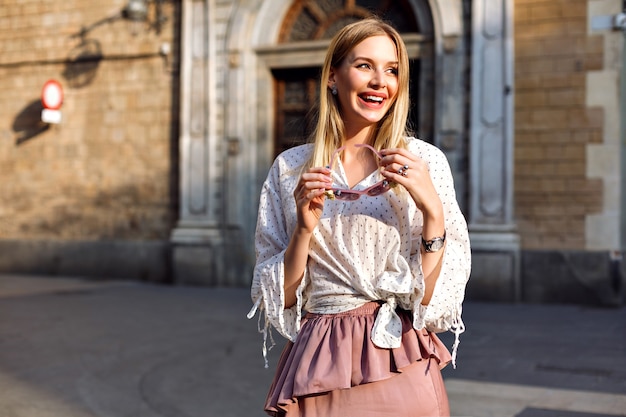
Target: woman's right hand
309,195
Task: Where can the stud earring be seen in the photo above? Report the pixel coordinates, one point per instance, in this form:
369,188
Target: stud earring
333,90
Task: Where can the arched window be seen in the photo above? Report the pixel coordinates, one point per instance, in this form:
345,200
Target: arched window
321,19
297,86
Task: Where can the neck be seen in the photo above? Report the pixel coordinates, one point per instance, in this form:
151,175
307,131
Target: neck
359,135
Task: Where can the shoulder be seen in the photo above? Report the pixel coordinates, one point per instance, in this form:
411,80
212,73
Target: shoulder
293,158
287,166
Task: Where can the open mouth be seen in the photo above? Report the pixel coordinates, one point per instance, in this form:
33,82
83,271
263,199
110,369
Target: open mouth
372,100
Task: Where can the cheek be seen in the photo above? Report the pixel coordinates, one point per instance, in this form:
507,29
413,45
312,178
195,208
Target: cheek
356,81
392,87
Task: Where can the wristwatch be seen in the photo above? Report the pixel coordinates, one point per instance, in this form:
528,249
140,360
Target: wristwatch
435,244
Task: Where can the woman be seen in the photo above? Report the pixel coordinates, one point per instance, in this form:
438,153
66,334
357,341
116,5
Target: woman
361,229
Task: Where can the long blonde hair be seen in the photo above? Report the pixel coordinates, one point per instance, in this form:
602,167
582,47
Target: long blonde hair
329,129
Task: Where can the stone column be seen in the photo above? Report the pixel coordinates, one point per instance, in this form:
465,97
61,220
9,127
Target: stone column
197,238
623,151
495,243
450,117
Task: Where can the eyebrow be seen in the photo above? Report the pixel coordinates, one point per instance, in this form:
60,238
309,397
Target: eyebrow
356,58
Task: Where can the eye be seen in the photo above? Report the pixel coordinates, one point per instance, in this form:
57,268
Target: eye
364,65
392,71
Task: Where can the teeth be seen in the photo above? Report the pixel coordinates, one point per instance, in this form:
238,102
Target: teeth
374,98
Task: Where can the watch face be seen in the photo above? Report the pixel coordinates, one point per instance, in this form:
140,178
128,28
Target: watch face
437,244
434,245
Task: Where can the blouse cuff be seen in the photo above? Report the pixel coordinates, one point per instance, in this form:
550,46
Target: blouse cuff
269,298
443,313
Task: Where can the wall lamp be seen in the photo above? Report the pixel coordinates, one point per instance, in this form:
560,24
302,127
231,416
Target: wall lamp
136,10
139,11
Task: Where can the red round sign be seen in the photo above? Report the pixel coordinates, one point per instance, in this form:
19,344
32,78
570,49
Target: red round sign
52,95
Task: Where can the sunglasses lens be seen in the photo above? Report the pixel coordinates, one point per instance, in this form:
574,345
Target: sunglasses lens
382,187
346,195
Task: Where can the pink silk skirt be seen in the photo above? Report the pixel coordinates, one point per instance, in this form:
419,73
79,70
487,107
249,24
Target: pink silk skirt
334,369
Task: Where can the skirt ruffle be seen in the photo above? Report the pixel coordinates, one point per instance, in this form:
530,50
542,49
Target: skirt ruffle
334,351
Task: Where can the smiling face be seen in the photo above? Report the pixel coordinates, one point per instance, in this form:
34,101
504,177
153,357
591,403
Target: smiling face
366,81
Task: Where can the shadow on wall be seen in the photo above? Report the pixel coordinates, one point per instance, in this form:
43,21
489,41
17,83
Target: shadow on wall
84,59
83,62
80,70
28,124
81,67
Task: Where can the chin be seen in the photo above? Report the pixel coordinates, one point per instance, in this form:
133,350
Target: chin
374,119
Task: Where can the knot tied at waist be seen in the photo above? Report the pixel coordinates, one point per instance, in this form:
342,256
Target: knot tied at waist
387,330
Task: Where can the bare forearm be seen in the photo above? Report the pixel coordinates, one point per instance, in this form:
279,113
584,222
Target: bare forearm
296,257
431,262
434,226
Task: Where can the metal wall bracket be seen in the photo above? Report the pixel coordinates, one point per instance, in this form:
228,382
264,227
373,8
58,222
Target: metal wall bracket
609,22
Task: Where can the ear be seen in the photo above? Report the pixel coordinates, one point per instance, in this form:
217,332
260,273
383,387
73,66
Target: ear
331,78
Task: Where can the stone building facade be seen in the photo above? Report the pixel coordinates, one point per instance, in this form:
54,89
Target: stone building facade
171,120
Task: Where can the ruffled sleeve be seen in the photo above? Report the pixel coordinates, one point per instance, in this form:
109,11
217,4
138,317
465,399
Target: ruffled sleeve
443,313
271,240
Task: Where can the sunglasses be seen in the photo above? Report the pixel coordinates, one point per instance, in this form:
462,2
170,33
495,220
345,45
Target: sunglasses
352,195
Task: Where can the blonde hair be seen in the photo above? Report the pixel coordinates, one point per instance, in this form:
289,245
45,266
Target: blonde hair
391,130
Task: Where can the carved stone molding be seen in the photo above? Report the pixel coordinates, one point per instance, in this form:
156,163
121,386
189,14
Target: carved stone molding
491,138
197,239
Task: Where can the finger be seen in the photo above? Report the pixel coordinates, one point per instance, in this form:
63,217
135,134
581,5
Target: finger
316,185
391,156
318,170
395,162
316,178
322,170
398,168
312,200
305,193
399,175
313,194
397,151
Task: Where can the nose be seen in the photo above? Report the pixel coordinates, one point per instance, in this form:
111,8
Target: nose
378,79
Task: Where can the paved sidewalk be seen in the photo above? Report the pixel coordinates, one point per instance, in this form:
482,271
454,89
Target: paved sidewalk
72,348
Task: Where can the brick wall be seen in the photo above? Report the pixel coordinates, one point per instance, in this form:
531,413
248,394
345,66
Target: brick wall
108,171
553,126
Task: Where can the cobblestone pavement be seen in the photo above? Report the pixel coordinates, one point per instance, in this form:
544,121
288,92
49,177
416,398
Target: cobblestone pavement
73,348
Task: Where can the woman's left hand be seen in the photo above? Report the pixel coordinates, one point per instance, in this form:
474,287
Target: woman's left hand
410,171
